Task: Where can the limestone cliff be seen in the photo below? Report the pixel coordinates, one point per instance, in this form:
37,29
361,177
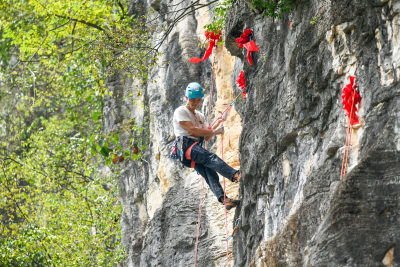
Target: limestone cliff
295,211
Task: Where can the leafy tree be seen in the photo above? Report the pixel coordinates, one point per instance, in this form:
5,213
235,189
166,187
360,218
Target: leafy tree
58,206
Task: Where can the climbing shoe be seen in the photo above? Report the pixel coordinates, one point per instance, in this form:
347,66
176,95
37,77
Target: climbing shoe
231,203
236,177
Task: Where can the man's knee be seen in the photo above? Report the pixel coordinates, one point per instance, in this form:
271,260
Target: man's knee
211,157
200,155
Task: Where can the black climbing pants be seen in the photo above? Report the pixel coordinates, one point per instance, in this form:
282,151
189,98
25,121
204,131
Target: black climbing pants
207,165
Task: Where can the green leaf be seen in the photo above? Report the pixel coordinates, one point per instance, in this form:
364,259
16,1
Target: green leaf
104,151
116,139
93,149
95,115
101,143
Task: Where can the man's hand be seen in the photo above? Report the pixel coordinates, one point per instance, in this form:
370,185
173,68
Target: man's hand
219,130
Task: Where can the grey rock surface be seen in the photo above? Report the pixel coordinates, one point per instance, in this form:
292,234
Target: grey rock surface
295,210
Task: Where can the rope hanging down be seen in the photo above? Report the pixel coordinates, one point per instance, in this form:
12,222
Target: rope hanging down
250,46
213,39
226,216
223,116
222,152
202,180
351,97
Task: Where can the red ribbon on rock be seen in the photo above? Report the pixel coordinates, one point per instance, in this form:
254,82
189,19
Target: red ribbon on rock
212,37
250,45
242,83
349,105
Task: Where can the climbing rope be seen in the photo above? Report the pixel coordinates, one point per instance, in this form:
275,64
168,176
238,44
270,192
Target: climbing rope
226,216
202,180
226,110
250,46
222,156
198,221
348,140
245,40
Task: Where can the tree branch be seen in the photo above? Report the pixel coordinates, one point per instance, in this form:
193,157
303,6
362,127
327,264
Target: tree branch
8,158
122,8
86,23
59,26
34,54
73,40
185,11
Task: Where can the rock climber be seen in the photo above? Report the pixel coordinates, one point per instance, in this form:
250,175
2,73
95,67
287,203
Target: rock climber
191,130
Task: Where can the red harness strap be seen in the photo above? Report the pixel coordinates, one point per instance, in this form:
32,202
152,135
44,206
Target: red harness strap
187,155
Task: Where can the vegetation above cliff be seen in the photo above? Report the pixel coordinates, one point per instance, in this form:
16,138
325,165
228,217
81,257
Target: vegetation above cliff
271,8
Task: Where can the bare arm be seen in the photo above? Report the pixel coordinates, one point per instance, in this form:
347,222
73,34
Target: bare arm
196,131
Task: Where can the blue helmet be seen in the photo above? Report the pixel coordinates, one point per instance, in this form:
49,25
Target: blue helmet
194,90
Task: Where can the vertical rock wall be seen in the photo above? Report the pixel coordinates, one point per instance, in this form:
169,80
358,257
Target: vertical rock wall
295,211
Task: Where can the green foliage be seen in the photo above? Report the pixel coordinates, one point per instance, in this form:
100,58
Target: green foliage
25,251
313,21
128,51
219,16
59,207
273,8
269,8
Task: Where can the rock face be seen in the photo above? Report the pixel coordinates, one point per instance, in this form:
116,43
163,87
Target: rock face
295,210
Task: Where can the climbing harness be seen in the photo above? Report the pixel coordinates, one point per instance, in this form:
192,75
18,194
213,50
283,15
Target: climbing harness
174,151
352,116
178,150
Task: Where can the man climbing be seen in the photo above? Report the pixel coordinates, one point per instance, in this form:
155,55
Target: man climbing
191,130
